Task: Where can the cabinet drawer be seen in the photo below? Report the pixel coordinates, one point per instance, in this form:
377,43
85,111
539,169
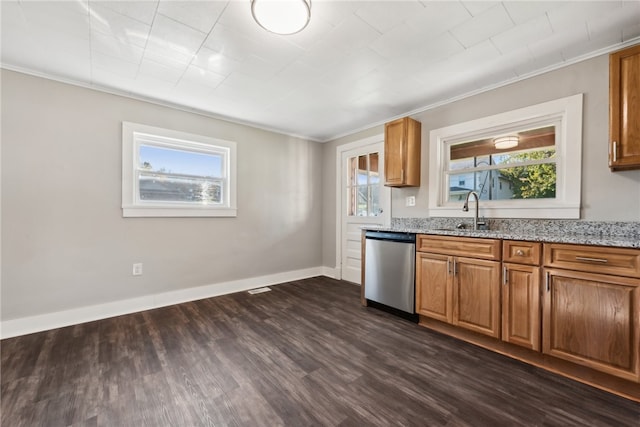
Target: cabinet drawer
460,246
521,252
596,259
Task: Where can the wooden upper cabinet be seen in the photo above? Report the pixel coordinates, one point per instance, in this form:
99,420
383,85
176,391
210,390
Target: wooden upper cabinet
402,153
624,109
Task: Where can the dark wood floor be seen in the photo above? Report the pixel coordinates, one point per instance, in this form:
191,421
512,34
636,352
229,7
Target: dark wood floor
305,354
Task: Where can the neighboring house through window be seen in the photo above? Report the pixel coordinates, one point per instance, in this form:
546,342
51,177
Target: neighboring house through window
523,163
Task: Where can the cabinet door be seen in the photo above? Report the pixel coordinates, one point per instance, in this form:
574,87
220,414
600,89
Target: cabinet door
402,140
433,286
476,295
395,151
521,305
624,109
593,319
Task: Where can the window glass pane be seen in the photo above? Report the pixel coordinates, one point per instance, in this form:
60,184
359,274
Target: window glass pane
458,164
531,182
520,182
353,170
180,162
519,157
352,198
461,184
167,187
362,200
374,175
374,202
362,170
472,166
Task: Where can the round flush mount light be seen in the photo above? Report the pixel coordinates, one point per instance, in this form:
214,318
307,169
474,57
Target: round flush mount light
281,16
505,142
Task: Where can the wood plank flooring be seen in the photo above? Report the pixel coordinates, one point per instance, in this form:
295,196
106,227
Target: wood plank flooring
304,354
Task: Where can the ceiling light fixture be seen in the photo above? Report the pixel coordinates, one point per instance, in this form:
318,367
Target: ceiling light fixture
281,16
504,142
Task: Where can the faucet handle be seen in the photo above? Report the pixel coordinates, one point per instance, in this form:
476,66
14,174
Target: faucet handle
482,224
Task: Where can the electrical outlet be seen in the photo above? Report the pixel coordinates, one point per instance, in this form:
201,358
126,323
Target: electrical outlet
411,201
137,269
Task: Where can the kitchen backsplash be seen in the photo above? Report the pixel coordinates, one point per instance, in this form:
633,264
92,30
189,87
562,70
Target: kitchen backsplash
533,226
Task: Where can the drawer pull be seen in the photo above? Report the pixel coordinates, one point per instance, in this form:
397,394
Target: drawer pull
586,259
520,252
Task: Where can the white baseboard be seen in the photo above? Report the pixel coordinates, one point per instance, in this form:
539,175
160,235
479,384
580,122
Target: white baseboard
334,273
44,322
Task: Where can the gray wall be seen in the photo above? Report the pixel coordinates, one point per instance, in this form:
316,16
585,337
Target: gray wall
605,195
65,243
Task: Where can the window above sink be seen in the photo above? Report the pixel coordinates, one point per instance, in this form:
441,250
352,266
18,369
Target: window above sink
524,163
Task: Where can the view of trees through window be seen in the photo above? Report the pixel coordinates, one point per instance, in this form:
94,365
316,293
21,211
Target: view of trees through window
525,168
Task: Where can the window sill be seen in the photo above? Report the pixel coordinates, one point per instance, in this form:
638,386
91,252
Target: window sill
150,212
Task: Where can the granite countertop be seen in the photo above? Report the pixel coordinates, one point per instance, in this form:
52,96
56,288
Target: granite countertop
598,239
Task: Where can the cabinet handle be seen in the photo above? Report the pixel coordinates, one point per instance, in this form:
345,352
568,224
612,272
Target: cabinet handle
520,252
586,259
449,266
615,151
547,281
505,277
455,267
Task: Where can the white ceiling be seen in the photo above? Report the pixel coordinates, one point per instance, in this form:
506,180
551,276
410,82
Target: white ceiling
357,64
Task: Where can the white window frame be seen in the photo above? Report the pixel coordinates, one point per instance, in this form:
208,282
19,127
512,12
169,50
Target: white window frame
566,113
134,135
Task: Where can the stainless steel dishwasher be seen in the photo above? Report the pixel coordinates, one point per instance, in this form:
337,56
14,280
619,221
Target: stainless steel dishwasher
389,278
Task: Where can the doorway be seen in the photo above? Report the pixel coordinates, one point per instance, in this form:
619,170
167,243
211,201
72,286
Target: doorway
363,201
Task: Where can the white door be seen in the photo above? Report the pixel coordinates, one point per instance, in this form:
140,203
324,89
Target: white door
365,201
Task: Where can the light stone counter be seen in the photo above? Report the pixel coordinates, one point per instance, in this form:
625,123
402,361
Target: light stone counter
600,233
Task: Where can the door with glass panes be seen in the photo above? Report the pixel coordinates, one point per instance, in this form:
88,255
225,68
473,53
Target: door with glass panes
364,203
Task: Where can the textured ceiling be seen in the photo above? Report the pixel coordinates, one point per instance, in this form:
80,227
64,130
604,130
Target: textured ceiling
357,63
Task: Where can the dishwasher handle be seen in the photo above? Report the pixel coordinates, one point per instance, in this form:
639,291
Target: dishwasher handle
393,236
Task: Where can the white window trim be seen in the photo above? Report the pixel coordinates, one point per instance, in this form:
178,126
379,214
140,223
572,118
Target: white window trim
568,111
133,207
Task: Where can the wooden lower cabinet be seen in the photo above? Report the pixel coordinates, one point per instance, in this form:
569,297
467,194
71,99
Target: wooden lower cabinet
476,295
571,309
521,305
434,286
592,319
461,291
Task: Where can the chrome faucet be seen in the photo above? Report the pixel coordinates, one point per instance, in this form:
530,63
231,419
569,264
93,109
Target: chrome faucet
465,208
